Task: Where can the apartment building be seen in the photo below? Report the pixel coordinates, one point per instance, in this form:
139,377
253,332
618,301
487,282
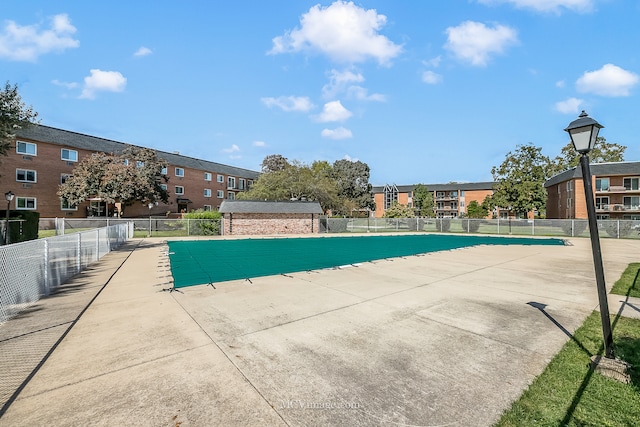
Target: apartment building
616,188
43,157
451,200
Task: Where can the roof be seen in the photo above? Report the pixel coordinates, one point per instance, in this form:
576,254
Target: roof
93,143
597,169
460,186
254,206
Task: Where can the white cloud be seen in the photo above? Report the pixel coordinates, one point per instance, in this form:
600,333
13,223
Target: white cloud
610,80
343,32
26,43
143,51
341,82
102,81
338,133
570,105
71,85
555,6
259,144
351,159
474,42
233,149
560,83
431,78
289,103
333,111
433,62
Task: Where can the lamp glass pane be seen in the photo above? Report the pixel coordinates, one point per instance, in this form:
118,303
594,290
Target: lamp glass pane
581,138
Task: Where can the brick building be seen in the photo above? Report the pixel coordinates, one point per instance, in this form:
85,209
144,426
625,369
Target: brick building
244,217
43,157
451,200
616,188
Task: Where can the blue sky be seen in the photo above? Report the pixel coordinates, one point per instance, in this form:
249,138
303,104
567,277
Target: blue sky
421,91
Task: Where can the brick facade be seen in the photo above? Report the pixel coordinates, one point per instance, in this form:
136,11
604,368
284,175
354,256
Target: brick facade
243,224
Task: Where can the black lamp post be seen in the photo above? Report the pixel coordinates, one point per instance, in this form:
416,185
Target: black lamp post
584,132
9,197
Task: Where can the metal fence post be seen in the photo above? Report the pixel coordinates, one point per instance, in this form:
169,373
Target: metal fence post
79,249
533,227
46,267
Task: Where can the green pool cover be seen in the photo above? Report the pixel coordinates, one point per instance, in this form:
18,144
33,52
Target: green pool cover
210,261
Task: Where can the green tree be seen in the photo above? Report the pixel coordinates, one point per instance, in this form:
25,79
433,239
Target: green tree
399,211
354,189
134,175
274,163
520,180
602,152
14,114
294,181
423,201
476,210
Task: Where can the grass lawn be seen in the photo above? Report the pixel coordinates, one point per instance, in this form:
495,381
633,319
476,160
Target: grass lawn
568,393
629,282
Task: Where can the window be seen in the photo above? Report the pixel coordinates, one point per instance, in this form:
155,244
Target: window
163,171
220,178
569,185
179,189
64,177
241,183
631,183
602,203
66,206
220,194
462,203
163,186
207,192
454,205
602,216
179,172
231,182
602,184
390,196
27,148
207,176
25,175
249,184
569,202
139,164
453,194
126,162
632,217
26,203
207,208
439,194
461,193
631,203
69,155
231,195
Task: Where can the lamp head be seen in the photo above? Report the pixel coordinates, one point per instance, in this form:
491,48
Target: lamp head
584,133
9,196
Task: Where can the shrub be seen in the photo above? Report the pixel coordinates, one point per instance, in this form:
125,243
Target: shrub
207,224
613,227
444,224
578,227
470,226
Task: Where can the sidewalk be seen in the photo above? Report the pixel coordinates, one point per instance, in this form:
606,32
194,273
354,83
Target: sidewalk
447,338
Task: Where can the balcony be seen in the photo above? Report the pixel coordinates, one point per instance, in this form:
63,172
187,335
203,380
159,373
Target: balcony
616,189
618,208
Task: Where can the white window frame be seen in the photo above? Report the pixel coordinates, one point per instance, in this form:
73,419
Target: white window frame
179,172
608,186
139,164
163,171
231,182
179,190
207,208
64,177
25,151
207,192
68,207
72,155
164,187
231,195
25,172
207,176
25,202
631,179
220,194
600,204
242,183
220,178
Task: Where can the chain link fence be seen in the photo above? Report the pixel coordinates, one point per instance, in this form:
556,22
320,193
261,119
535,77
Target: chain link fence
32,269
619,229
142,227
